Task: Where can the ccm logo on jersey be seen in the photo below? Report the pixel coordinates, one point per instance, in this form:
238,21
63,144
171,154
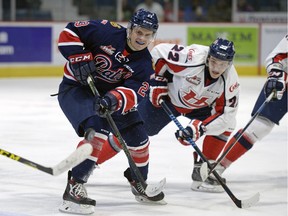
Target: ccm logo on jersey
234,86
190,54
81,58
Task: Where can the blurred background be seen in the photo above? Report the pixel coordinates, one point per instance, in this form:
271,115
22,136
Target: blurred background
29,29
121,10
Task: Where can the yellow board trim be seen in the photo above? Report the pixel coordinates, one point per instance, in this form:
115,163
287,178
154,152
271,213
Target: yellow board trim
38,71
56,71
250,71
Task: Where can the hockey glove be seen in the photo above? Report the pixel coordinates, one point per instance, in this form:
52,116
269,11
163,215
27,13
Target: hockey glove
109,103
194,130
82,64
276,82
158,90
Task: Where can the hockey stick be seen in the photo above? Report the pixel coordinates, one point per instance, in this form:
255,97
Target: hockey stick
76,157
239,203
268,99
149,189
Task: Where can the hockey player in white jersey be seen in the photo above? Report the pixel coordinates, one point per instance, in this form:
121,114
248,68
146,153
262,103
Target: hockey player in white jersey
200,83
273,112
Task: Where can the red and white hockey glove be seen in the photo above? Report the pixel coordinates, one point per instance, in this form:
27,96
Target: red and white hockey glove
82,64
194,130
158,90
276,82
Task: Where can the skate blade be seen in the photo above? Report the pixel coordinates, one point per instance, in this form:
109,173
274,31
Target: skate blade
204,187
146,201
73,208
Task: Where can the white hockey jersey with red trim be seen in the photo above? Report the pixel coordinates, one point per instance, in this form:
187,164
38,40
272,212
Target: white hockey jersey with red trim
190,88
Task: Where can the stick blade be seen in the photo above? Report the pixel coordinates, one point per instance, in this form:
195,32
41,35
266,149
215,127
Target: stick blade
76,157
204,171
252,201
153,190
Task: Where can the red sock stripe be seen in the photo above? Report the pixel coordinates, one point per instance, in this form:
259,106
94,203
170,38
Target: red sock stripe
140,154
97,143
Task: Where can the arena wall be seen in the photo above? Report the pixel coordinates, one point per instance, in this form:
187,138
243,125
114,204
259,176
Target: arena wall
29,49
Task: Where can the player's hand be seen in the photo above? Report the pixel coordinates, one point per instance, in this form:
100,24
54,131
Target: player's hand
82,64
194,130
276,82
106,104
158,90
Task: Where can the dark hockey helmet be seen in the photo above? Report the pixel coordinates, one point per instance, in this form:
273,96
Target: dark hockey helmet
144,19
222,49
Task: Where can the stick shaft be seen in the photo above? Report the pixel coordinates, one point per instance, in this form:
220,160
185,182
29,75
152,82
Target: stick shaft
118,136
217,176
268,99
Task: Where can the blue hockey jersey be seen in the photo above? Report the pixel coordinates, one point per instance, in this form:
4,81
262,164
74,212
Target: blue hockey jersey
117,66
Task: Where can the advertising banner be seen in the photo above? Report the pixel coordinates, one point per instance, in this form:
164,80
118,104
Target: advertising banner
25,44
33,46
246,40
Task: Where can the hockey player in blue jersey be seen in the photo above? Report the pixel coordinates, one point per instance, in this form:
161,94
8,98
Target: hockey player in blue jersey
121,65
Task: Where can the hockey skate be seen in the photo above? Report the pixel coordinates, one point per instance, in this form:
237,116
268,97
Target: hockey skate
75,199
140,194
211,184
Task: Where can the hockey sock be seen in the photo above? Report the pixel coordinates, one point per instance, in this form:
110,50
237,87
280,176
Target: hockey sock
110,148
82,171
240,148
138,145
97,144
140,156
213,145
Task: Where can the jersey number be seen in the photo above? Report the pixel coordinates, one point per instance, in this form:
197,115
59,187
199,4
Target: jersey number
173,55
233,102
143,89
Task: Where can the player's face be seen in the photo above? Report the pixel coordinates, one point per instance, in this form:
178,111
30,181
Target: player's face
140,38
217,66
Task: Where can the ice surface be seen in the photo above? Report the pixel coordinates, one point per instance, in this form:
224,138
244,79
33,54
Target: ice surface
33,126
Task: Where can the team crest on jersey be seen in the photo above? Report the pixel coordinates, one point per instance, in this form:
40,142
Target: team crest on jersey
108,49
189,98
193,79
121,58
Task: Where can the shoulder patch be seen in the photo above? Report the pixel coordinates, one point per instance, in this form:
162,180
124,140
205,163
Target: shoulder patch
81,23
116,25
234,86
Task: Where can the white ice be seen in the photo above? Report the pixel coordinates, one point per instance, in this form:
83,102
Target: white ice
33,126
